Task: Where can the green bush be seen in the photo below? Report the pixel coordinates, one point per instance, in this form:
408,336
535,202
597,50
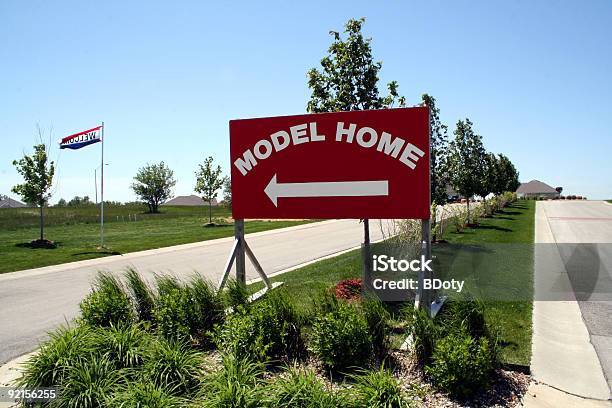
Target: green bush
89,383
236,294
107,304
144,395
234,386
464,314
143,297
424,332
341,337
208,309
461,365
174,312
66,347
241,335
378,389
300,389
269,329
173,366
378,322
124,345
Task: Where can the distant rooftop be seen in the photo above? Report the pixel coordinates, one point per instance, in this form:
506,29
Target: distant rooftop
535,187
190,200
7,202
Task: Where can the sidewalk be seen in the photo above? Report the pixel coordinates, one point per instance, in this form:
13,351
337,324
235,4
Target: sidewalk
562,354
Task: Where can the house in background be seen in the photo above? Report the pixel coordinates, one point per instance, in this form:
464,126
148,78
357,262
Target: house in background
536,189
7,202
190,201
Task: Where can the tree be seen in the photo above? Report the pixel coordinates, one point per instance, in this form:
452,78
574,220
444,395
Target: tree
227,192
77,201
438,151
349,77
61,203
208,182
37,173
491,175
507,175
154,184
466,161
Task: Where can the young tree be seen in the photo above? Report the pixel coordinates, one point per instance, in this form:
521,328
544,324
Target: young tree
438,151
349,76
490,177
209,180
507,177
227,192
154,183
37,174
466,161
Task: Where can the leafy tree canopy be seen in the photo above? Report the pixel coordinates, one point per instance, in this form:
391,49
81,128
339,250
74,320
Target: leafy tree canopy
153,185
209,180
348,79
37,174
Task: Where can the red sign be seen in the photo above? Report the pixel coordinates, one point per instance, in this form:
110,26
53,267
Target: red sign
361,164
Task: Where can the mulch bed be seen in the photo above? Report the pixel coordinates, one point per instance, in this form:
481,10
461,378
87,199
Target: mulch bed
507,387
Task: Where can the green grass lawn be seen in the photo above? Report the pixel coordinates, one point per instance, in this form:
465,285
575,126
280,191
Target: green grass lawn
514,226
77,233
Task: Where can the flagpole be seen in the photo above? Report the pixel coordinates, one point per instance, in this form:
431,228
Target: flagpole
102,193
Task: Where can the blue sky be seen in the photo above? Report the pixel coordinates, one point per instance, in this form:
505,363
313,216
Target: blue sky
166,77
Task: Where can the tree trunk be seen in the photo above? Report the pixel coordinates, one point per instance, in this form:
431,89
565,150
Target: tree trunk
41,222
210,211
468,210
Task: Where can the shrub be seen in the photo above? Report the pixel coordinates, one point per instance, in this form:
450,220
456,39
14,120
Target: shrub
66,347
341,338
466,314
235,385
300,389
107,304
378,322
173,366
89,383
424,333
349,289
269,329
173,313
142,296
241,336
461,364
144,394
378,389
124,345
208,310
236,294
460,220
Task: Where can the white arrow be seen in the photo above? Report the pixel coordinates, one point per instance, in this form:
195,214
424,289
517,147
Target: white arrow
275,190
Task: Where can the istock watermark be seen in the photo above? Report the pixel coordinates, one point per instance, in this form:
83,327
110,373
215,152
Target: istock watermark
395,277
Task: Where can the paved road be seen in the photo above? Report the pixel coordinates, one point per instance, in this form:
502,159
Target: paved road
574,287
35,301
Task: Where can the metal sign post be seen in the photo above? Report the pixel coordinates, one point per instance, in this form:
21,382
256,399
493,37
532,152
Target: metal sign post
240,248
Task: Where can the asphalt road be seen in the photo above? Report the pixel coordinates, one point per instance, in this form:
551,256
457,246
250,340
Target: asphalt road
36,301
582,231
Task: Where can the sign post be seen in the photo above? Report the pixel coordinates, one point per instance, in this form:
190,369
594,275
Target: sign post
371,164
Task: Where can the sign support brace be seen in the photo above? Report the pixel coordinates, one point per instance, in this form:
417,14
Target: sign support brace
240,248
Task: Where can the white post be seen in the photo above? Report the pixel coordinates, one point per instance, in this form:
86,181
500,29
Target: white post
102,192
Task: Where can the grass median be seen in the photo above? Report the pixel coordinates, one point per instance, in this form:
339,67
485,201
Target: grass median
514,225
76,232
